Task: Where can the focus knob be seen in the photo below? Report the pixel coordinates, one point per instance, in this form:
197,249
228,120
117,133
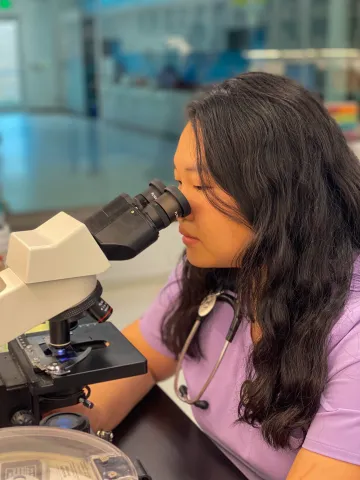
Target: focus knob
23,418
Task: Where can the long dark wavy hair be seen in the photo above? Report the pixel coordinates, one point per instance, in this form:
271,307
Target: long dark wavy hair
273,147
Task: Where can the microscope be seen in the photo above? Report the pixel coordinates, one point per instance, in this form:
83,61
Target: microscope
51,275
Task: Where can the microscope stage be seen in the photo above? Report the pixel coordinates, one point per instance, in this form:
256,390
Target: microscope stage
111,357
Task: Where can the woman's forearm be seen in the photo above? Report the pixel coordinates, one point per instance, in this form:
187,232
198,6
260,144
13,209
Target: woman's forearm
113,401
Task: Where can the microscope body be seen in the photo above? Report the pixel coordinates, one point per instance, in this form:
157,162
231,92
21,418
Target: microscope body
51,275
49,270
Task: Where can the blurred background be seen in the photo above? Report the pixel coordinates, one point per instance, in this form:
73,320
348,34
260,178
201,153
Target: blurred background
93,92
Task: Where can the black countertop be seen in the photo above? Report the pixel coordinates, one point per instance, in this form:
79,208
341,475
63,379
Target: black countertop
169,444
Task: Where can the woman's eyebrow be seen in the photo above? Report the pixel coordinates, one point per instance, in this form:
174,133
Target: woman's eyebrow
187,169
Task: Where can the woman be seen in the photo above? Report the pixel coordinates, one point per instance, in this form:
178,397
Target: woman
275,197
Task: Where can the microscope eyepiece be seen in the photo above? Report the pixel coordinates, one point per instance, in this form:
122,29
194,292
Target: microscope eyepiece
168,207
153,192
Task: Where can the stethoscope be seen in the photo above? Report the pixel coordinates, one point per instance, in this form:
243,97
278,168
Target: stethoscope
206,307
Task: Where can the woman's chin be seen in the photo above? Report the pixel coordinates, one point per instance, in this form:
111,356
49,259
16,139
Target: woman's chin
196,259
204,260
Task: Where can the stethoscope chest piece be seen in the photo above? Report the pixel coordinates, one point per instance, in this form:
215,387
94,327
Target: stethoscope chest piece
207,305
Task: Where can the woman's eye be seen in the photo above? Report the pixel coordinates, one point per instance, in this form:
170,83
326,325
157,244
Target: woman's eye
197,187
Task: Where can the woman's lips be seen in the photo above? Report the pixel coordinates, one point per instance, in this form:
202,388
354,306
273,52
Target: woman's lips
188,239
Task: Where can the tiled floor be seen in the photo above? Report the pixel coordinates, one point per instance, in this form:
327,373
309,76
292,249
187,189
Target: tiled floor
52,162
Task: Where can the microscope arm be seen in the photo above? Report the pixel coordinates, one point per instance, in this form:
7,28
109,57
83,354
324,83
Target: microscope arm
50,269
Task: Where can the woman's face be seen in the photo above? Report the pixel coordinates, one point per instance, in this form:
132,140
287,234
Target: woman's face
212,238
